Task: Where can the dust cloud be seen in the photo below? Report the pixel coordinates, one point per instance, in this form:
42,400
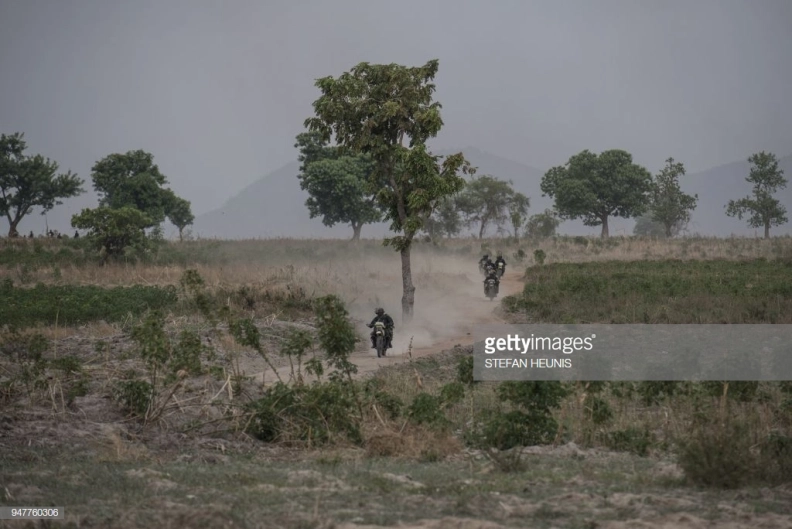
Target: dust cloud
449,299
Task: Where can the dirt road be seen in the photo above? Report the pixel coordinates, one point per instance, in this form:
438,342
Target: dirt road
444,317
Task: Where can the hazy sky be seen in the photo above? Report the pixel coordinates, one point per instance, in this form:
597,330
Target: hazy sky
218,90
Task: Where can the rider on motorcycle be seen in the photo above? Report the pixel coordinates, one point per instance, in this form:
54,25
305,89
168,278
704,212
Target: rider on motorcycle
493,275
388,321
498,262
485,262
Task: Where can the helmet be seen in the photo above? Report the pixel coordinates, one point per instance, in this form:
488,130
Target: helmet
500,255
486,255
380,311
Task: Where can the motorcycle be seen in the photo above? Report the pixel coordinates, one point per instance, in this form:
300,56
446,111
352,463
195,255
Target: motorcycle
380,339
483,268
491,289
501,269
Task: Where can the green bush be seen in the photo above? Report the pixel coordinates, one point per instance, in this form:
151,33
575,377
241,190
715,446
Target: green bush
76,304
316,414
666,292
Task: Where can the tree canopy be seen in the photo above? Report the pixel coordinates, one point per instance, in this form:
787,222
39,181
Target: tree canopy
113,230
386,111
180,214
486,200
542,225
28,182
338,185
446,220
762,209
133,180
596,187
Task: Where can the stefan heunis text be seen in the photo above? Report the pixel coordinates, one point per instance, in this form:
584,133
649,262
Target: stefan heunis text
566,345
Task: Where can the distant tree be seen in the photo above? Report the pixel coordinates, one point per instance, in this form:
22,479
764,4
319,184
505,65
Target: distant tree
518,212
669,206
764,210
445,220
597,187
133,180
542,225
28,182
179,213
372,110
111,230
645,226
486,200
339,187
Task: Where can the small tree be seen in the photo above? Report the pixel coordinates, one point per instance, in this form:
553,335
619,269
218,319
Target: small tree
338,190
445,220
597,187
764,210
486,200
645,226
113,230
518,211
337,184
669,205
180,214
133,180
28,182
373,110
542,225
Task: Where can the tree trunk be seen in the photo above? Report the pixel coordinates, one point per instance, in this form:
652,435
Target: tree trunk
668,231
408,290
356,231
767,230
482,228
181,235
12,228
604,234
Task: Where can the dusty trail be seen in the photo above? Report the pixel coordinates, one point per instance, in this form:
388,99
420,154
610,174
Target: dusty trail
444,317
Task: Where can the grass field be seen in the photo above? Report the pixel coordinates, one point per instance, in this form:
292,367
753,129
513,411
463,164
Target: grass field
127,398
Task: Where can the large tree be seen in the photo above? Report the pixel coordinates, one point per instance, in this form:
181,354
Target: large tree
28,182
596,187
762,209
669,206
133,180
386,111
486,201
338,185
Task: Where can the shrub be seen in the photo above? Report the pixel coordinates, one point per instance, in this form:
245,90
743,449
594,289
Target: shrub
73,304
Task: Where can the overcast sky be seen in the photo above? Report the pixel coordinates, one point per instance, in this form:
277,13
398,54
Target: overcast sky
218,90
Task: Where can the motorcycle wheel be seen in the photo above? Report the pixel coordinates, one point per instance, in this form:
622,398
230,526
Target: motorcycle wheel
380,346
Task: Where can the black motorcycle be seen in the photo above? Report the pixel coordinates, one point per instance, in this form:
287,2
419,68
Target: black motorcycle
491,288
